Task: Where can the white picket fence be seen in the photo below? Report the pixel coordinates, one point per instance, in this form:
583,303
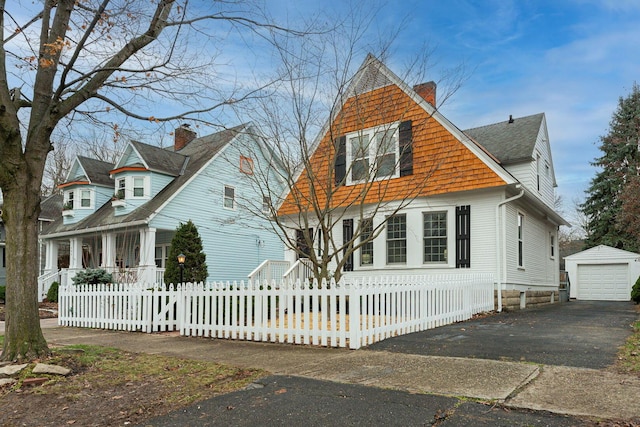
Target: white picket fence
328,314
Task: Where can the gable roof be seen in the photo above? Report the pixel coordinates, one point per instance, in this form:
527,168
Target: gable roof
604,252
511,141
96,171
195,156
154,158
377,96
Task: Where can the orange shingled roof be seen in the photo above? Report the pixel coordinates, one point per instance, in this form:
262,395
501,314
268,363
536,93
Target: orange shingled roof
441,163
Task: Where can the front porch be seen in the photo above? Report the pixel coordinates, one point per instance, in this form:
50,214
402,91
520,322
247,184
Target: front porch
131,256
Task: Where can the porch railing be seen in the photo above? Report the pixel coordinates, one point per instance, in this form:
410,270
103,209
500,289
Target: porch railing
300,270
269,270
44,283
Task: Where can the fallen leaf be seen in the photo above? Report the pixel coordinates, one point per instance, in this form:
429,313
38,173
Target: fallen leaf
116,397
282,390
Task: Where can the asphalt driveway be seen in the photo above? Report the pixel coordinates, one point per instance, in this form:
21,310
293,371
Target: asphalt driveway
584,334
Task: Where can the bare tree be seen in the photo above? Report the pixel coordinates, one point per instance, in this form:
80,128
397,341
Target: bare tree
304,119
72,63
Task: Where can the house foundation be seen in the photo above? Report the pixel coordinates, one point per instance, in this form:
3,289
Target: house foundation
518,300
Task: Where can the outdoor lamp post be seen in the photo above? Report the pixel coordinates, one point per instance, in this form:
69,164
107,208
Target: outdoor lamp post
181,259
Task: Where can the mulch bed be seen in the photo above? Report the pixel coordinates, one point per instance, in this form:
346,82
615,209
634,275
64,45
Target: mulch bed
47,310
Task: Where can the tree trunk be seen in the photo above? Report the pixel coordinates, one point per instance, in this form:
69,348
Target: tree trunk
23,338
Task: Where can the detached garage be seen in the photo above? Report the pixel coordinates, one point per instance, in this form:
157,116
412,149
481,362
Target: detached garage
602,273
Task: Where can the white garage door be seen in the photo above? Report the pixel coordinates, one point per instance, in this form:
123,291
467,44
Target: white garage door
603,282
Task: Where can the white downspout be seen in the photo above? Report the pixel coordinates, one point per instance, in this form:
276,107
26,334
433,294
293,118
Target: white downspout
501,252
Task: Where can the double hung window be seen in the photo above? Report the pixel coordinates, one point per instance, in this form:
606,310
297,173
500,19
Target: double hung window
366,250
520,240
373,154
68,202
85,198
435,237
229,201
138,186
121,185
397,239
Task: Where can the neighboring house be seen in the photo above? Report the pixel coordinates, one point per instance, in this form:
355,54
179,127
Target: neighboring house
49,210
122,216
479,200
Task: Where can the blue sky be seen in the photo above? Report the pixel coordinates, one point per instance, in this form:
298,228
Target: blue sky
571,59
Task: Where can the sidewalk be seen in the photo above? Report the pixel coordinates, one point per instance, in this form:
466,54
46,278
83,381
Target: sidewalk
572,391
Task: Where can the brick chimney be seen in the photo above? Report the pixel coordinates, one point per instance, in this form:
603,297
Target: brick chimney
427,91
183,136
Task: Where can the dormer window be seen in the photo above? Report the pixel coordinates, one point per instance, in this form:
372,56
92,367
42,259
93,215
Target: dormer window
373,154
85,198
121,184
138,187
68,200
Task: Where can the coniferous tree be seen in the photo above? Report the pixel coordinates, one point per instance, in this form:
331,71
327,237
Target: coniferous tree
609,203
188,242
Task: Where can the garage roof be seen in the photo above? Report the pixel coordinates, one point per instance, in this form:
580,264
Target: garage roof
603,252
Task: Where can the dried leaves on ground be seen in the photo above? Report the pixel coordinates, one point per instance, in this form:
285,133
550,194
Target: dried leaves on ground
112,387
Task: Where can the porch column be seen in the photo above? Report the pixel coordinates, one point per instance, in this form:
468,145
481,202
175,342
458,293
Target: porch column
75,253
51,256
147,267
109,251
75,257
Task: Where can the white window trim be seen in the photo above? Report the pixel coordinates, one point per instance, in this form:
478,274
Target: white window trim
129,187
145,192
372,242
164,248
224,197
68,199
91,198
124,188
406,240
373,151
447,261
520,235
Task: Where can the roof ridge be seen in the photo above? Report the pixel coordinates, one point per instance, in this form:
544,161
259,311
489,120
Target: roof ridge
504,121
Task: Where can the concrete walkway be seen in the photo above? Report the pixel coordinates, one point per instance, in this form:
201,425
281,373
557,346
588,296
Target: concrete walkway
574,391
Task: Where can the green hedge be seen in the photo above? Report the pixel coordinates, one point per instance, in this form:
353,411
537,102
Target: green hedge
635,292
2,292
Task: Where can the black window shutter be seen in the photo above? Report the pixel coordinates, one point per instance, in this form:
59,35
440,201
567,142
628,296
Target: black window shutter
463,236
340,144
304,250
347,236
405,139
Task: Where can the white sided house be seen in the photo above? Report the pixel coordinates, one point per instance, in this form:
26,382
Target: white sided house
122,216
448,201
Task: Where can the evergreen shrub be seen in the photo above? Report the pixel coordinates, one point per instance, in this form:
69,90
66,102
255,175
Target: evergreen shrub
52,293
92,277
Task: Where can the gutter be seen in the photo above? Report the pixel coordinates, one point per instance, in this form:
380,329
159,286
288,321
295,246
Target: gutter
501,255
110,227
